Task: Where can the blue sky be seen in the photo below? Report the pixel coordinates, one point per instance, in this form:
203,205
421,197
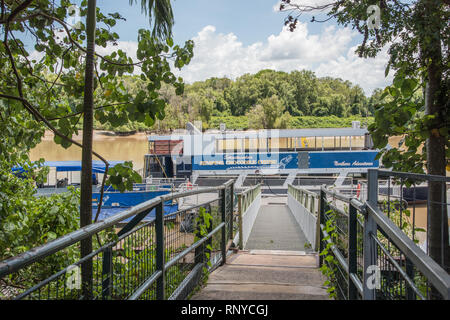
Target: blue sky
250,20
234,37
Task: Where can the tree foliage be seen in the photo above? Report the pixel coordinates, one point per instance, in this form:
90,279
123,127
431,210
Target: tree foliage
300,94
49,89
44,87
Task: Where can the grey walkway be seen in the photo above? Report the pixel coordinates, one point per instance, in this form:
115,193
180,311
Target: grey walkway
266,275
275,228
274,266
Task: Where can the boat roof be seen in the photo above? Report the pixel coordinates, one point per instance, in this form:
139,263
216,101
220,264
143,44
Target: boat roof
276,133
64,166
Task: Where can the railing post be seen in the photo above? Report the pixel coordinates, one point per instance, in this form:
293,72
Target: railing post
352,251
160,254
410,294
106,274
241,234
370,229
231,217
223,193
320,219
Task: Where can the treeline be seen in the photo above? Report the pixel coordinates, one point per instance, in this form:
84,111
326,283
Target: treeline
267,99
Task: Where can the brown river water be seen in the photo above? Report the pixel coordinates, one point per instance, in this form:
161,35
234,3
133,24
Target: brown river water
128,148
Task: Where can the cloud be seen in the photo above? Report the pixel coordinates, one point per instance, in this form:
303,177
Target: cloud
368,73
328,54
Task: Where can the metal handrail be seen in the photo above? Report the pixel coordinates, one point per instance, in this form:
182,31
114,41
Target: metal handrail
305,197
311,193
439,278
245,200
418,176
172,262
16,263
247,197
375,220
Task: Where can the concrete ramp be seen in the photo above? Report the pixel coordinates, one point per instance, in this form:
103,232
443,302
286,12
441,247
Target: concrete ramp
266,275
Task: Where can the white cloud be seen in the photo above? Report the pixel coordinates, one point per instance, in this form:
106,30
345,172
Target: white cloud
368,73
328,54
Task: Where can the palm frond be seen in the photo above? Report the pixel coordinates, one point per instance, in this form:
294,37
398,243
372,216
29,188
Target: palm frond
160,16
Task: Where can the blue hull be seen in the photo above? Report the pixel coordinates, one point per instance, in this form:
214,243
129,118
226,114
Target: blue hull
115,202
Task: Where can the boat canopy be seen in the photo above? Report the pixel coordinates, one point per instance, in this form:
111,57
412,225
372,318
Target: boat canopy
65,166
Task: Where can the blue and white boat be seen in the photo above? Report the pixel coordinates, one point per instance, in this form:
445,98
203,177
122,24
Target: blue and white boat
67,173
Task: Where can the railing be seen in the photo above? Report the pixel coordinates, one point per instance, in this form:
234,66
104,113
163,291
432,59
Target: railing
371,248
249,203
159,259
304,206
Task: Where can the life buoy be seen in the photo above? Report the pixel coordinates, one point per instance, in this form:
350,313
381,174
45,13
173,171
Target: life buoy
189,185
358,190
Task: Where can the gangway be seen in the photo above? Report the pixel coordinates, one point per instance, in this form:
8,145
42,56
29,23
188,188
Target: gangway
360,238
254,247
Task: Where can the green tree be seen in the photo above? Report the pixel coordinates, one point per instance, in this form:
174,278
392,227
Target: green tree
269,113
53,91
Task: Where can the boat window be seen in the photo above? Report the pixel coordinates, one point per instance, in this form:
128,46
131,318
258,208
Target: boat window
262,144
345,142
357,142
251,144
329,143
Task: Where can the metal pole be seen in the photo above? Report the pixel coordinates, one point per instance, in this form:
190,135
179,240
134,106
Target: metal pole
410,294
320,219
241,234
224,228
106,273
370,228
159,229
352,251
231,211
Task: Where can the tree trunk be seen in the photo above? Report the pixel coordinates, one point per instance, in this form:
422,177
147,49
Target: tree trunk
86,170
435,100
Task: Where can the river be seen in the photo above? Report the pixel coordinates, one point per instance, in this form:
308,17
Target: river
111,147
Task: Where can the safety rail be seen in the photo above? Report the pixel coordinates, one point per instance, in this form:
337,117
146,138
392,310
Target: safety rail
370,253
304,205
249,202
307,198
163,258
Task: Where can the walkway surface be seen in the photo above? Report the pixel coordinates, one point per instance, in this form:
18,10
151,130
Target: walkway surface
275,228
274,265
266,275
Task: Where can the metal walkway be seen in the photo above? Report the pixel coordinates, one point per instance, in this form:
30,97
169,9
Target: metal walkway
274,265
276,229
